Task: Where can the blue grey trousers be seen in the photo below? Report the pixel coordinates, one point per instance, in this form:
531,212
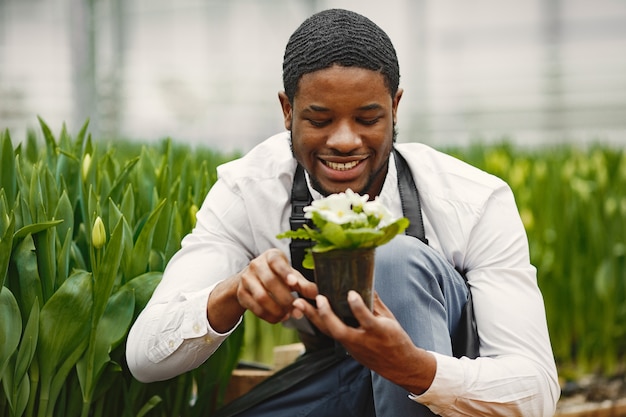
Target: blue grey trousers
426,295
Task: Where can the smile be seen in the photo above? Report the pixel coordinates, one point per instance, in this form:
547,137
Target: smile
341,166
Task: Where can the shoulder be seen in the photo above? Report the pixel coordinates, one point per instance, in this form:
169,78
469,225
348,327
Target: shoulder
272,159
442,176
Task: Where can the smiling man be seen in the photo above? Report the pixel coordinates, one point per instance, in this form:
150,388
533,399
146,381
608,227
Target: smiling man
341,81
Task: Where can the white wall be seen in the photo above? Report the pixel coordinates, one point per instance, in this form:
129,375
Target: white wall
207,71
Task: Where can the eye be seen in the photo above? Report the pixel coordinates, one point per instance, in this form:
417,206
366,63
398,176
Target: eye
369,122
319,123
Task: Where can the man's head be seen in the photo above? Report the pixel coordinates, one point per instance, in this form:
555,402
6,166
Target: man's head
340,101
339,37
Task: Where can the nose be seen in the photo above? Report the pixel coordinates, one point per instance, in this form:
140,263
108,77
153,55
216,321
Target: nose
344,138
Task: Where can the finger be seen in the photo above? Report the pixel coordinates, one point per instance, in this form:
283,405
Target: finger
380,309
360,310
302,285
333,324
275,286
301,308
253,295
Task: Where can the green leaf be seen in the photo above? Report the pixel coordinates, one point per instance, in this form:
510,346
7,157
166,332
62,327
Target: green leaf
51,145
28,345
45,244
149,405
30,290
145,178
8,179
112,328
10,327
107,271
128,204
141,251
6,244
63,259
115,216
64,327
335,234
34,228
143,286
49,191
393,229
64,211
176,234
20,379
122,179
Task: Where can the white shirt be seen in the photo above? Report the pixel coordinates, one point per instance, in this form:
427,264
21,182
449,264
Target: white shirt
470,217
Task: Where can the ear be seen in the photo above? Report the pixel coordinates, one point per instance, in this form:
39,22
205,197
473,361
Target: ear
287,109
394,105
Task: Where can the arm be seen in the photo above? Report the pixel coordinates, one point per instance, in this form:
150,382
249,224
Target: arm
206,288
515,374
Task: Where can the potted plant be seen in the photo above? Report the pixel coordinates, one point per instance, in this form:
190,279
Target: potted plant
348,228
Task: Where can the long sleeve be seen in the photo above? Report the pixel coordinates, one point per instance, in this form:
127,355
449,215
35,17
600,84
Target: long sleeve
172,334
516,373
238,220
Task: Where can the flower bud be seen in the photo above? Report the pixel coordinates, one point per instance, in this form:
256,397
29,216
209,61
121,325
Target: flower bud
98,234
86,166
193,210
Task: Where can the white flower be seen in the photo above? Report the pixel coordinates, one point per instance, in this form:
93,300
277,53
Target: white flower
377,209
338,208
355,199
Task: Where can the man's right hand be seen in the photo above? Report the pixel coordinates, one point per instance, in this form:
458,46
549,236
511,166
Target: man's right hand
264,287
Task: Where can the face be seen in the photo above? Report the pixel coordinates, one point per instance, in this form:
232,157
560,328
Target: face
342,128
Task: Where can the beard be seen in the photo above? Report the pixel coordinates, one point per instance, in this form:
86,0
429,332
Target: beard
370,181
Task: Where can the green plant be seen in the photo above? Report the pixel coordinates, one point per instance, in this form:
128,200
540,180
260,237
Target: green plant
573,204
84,237
346,221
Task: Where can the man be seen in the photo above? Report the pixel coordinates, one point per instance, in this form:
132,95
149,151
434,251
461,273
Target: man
340,103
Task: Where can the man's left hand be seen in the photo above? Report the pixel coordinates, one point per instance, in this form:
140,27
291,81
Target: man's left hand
379,343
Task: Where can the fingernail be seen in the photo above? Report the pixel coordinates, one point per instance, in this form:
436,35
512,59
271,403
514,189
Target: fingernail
352,296
320,300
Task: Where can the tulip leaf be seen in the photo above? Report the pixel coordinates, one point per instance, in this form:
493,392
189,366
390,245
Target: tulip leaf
64,326
121,180
28,344
143,245
107,271
112,328
6,243
65,212
10,327
35,228
8,180
149,405
29,289
143,286
63,259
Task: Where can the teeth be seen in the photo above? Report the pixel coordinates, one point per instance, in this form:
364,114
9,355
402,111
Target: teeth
341,167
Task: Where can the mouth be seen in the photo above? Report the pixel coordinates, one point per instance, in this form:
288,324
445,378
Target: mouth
341,166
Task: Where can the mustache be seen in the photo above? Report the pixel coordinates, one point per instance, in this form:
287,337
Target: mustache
394,138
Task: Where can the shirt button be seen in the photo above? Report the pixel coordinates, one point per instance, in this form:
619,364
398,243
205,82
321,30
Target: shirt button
208,339
196,328
170,344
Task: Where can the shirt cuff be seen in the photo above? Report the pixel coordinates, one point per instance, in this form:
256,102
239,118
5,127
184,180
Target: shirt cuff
192,325
446,387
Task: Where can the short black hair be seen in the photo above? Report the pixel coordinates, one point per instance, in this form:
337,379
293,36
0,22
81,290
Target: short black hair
338,37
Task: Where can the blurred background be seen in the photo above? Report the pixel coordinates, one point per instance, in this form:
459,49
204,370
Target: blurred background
208,71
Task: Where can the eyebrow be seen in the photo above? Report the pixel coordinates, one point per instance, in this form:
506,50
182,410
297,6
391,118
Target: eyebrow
316,108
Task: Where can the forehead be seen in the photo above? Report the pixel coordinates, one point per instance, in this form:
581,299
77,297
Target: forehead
342,84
